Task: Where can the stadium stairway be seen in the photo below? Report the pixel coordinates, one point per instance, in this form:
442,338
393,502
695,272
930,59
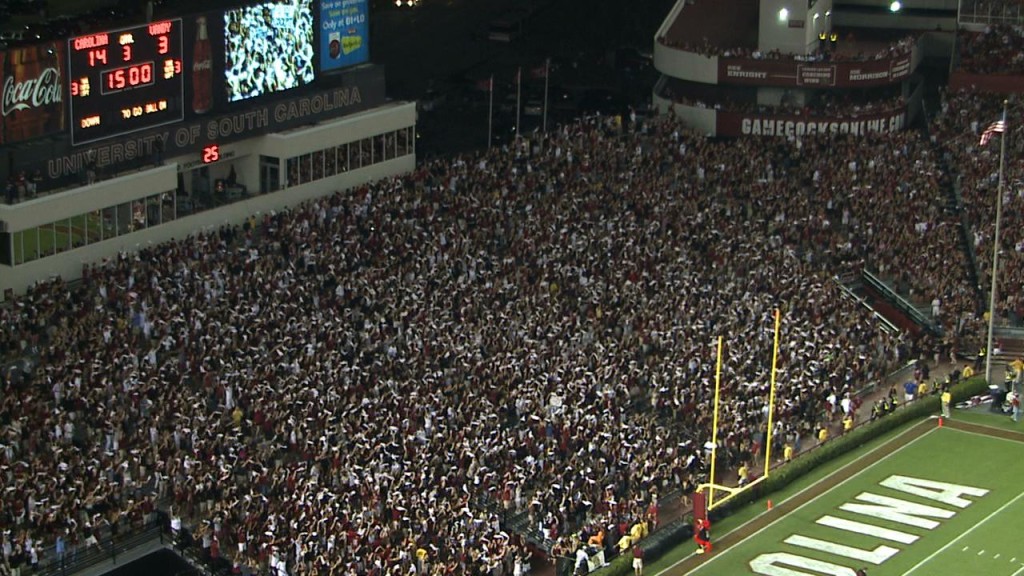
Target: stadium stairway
883,296
1008,343
885,302
950,184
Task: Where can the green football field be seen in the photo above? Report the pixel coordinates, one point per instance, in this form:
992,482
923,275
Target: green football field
948,502
985,417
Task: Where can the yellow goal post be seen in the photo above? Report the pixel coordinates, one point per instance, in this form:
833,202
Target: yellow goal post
711,488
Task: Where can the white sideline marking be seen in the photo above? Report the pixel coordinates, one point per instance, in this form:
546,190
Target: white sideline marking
971,529
1020,570
1017,442
780,518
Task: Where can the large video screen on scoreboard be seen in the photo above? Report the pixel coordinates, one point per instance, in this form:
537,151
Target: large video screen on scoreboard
125,80
344,33
268,48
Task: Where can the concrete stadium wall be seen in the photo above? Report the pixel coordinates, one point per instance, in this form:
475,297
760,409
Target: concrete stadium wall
685,65
69,265
703,120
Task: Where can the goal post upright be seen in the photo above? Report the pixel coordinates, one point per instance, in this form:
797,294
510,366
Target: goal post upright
714,425
771,395
710,487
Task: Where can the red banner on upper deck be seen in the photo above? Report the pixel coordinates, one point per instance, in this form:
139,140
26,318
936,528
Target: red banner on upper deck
859,74
754,124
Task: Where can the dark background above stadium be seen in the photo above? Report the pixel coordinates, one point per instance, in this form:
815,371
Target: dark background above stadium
438,53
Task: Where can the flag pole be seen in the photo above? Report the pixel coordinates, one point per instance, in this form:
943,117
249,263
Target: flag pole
995,249
519,85
547,73
490,110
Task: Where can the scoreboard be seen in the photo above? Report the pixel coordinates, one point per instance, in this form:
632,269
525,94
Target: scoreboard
125,80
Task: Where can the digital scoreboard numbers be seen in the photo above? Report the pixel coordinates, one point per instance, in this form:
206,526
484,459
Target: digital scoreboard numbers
125,80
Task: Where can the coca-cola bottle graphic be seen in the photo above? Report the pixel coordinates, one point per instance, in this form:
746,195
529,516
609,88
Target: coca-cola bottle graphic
31,103
202,70
3,79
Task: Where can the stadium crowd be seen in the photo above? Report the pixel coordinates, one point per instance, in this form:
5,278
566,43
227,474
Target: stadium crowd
335,387
999,49
963,117
825,107
708,48
373,382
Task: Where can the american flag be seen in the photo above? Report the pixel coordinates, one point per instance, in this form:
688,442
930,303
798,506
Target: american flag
996,127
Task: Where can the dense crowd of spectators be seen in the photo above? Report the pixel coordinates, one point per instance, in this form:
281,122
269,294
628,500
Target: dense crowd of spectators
822,106
353,384
373,382
999,49
963,117
827,53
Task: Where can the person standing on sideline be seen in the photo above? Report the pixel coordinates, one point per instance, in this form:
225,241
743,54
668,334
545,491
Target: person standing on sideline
638,560
703,536
946,399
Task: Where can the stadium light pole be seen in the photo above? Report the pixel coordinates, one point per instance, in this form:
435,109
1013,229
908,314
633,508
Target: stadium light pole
490,110
547,74
995,249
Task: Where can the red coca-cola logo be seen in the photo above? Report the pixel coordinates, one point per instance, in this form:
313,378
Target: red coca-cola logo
43,90
200,65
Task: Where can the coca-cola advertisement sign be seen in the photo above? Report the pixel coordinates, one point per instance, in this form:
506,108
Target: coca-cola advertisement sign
43,90
32,103
203,54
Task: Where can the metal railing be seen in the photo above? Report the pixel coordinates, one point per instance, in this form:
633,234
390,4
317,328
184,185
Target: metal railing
108,548
884,322
1008,12
901,303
